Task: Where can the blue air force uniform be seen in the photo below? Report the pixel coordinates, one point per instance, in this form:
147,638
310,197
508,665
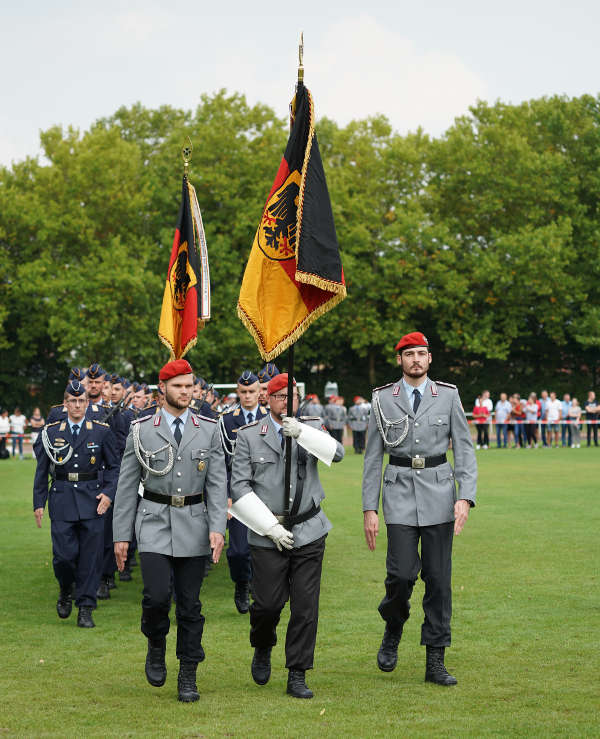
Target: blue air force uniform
85,467
238,551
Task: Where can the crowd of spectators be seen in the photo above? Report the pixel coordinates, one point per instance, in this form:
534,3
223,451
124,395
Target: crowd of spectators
12,429
532,422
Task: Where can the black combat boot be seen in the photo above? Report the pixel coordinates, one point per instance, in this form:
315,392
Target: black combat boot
156,669
241,597
387,656
186,682
84,618
261,665
296,685
64,604
110,581
125,576
103,592
436,671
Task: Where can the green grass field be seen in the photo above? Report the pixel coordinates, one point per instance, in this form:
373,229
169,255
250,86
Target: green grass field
525,627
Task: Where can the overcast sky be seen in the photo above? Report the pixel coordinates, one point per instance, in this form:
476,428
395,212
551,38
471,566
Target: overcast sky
420,63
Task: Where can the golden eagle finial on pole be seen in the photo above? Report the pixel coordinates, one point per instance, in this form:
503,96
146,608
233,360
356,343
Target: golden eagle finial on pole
186,155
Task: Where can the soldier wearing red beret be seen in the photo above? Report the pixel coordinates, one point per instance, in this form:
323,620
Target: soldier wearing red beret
413,421
179,523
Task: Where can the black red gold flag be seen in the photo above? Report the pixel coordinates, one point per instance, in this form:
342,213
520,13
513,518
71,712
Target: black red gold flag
294,273
186,299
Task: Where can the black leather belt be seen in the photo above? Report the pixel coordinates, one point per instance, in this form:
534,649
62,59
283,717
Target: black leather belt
175,500
418,463
300,517
76,476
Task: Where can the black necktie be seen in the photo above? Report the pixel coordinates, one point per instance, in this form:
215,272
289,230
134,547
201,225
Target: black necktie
250,418
417,400
281,439
75,432
177,432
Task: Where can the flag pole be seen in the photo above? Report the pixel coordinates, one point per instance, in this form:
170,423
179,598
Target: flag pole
287,487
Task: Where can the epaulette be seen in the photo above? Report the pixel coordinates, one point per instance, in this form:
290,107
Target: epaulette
382,387
206,418
247,425
100,423
52,424
446,384
58,405
141,419
309,418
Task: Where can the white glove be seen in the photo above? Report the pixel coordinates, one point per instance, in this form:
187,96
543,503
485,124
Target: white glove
282,537
317,442
291,427
253,513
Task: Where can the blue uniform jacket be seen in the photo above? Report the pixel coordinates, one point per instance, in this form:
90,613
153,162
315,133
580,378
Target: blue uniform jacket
95,451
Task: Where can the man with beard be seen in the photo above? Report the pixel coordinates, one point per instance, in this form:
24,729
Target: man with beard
265,375
178,458
414,420
286,561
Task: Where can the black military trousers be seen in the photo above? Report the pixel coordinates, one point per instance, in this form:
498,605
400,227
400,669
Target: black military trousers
403,566
238,552
107,564
358,440
277,576
75,547
161,574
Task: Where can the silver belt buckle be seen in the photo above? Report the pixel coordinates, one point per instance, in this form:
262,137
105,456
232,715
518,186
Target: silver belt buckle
178,501
418,463
73,476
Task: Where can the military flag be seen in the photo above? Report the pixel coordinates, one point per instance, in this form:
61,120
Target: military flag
186,299
294,273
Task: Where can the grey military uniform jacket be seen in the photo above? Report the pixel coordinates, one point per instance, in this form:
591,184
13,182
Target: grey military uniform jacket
419,497
198,467
258,465
358,417
335,416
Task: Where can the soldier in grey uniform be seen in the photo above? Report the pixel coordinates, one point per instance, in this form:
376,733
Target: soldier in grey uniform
177,456
413,421
358,420
286,562
335,418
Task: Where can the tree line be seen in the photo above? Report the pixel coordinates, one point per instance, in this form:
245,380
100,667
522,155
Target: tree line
485,238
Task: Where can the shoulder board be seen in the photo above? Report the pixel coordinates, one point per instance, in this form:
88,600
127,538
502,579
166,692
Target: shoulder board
141,419
206,418
247,425
52,424
446,384
381,387
309,418
100,423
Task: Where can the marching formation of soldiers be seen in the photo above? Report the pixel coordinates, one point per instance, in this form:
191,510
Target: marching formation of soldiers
122,469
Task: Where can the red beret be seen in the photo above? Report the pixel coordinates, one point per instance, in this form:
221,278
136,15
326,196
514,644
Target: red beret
278,383
174,368
411,340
